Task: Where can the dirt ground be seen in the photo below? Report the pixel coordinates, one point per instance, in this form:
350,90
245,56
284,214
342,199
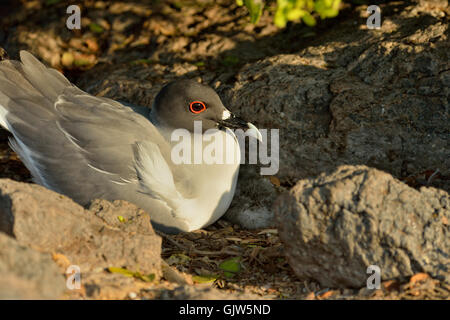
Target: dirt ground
199,35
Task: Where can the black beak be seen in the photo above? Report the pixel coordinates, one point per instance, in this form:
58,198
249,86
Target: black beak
233,122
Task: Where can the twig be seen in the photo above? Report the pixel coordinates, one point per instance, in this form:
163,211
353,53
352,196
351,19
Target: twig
432,176
199,252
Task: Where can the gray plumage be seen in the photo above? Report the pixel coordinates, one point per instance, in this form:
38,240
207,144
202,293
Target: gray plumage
90,147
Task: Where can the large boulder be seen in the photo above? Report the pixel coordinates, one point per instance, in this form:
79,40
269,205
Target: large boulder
358,96
26,273
336,225
109,235
354,96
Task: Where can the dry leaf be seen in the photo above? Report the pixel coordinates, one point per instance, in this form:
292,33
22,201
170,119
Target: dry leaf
92,45
419,277
391,285
327,294
275,181
67,59
61,260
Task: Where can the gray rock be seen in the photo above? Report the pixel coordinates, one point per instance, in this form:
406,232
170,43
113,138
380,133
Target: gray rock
26,273
49,222
336,225
358,96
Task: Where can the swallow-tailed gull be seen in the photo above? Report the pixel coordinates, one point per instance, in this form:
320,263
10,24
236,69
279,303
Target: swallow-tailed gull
89,147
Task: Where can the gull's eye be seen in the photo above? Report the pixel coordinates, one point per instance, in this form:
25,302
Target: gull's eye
197,106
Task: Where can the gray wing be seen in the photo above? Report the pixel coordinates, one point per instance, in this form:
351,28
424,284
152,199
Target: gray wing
82,146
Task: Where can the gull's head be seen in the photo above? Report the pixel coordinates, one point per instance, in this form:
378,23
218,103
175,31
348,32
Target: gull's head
180,103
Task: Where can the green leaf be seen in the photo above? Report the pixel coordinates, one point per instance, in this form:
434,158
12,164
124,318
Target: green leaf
122,271
95,28
255,8
204,279
309,20
296,14
280,18
292,10
229,274
199,64
327,8
146,278
81,62
240,2
231,265
121,219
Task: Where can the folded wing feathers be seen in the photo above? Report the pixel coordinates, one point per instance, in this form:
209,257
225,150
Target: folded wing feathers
34,97
155,175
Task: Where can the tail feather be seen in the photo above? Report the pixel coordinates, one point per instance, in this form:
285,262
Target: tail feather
28,91
28,81
48,82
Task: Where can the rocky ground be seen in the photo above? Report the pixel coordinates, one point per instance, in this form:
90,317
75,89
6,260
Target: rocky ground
364,154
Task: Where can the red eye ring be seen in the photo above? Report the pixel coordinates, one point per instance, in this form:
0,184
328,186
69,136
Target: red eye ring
194,108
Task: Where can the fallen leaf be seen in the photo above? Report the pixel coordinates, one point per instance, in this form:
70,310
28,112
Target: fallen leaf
229,274
327,294
391,285
144,277
84,60
135,274
96,28
81,62
204,279
231,265
418,277
275,181
122,271
67,59
61,260
92,45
